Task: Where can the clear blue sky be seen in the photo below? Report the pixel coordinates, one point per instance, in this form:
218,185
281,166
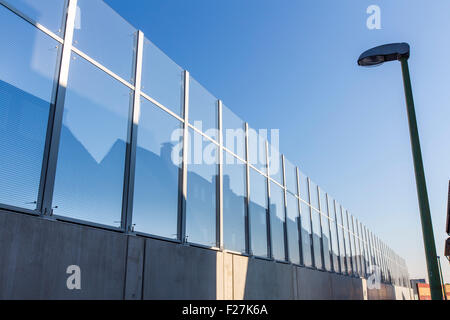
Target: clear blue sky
291,65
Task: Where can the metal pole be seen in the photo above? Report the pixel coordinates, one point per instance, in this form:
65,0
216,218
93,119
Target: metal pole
442,278
425,216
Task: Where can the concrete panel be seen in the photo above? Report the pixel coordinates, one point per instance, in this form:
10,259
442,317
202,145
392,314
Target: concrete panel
220,286
228,276
342,287
261,279
135,267
174,271
36,252
313,284
357,292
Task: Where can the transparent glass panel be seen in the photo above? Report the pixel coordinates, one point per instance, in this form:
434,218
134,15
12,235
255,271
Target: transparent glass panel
162,79
314,194
334,246
234,176
355,251
27,69
343,250
158,160
201,191
258,213
326,243
277,221
292,228
304,190
316,239
202,109
275,164
257,149
333,234
106,37
306,234
291,176
323,202
48,13
233,132
91,160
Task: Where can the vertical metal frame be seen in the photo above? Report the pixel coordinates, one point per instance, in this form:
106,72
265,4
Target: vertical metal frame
130,157
47,183
352,265
268,213
332,267
248,238
311,235
285,230
346,266
219,194
299,219
184,167
361,250
355,245
337,237
322,246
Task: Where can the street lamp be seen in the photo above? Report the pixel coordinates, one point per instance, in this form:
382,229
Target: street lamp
400,52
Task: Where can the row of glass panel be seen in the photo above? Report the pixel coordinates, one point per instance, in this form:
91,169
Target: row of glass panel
95,133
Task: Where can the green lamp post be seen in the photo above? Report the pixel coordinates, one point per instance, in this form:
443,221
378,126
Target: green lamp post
400,52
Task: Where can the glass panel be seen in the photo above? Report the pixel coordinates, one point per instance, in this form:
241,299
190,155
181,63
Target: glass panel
334,246
291,176
317,239
275,164
326,242
234,176
233,132
292,228
343,250
354,245
91,160
202,109
323,202
314,194
27,68
48,13
158,160
306,234
258,212
201,192
106,37
304,190
257,149
162,79
277,221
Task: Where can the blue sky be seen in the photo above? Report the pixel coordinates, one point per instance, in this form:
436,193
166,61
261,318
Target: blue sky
291,65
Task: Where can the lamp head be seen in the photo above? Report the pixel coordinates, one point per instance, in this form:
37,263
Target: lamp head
384,53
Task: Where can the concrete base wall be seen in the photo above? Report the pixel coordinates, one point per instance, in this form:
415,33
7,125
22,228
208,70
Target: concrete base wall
35,253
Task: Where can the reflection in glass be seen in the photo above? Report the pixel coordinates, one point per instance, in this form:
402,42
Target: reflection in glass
343,249
91,159
326,242
304,189
105,36
48,13
202,109
234,176
291,176
306,234
258,214
155,205
201,192
348,242
317,239
333,234
257,149
277,221
313,189
292,228
27,68
233,132
275,164
162,79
